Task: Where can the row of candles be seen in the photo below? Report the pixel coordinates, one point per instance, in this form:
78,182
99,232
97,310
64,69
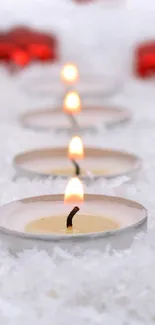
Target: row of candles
72,102
91,218
72,213
74,191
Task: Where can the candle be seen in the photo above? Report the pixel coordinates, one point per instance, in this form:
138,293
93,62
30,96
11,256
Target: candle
41,222
69,73
89,118
74,191
75,149
77,221
75,152
54,161
72,106
72,103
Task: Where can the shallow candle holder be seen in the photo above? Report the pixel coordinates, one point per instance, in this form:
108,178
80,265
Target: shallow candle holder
130,217
98,162
45,82
90,119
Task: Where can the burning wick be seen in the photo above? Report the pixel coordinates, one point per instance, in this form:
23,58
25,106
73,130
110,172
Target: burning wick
75,152
73,193
71,216
71,106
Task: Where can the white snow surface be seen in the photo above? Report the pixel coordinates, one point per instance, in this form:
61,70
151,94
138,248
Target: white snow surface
93,288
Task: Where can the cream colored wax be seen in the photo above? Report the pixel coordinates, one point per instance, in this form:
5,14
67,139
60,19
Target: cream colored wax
82,223
71,171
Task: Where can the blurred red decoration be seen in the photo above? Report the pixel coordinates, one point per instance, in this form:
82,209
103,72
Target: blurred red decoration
22,45
41,51
20,57
145,60
6,47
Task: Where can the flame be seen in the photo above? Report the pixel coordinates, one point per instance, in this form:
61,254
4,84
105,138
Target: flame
75,150
69,73
72,102
74,192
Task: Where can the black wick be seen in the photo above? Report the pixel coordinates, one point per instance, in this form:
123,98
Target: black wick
70,217
77,167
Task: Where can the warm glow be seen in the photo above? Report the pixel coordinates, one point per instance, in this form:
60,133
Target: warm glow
74,192
75,150
69,73
72,103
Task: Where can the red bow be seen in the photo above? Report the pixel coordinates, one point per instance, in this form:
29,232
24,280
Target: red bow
22,45
145,60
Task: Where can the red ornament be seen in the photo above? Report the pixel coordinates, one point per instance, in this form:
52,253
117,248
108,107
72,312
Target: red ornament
145,60
6,47
20,36
41,52
20,58
6,50
21,45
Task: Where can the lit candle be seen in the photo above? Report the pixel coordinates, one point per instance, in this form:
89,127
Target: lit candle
72,106
75,149
69,74
74,192
94,162
72,103
76,152
77,220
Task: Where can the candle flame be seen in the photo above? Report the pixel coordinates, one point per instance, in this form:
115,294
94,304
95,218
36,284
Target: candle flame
69,73
75,150
74,192
72,102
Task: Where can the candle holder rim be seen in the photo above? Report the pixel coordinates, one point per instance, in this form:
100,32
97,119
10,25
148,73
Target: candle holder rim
115,108
58,237
103,151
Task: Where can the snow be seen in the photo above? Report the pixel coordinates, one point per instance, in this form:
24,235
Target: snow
95,287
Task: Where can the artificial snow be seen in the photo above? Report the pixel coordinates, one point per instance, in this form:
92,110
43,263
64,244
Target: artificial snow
92,288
